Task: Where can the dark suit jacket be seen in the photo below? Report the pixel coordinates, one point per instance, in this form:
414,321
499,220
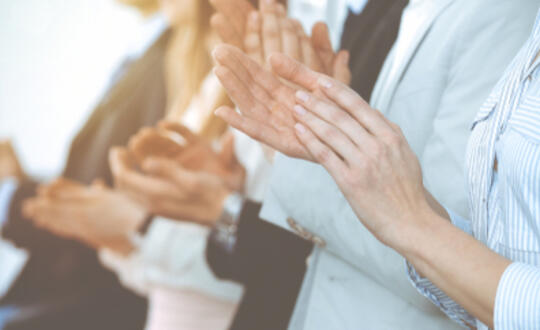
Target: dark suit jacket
369,37
64,285
269,261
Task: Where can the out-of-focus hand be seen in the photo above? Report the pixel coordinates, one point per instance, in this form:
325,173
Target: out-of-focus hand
230,20
269,31
95,215
168,189
176,142
9,163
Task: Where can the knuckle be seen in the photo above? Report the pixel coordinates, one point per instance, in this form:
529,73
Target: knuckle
393,139
323,155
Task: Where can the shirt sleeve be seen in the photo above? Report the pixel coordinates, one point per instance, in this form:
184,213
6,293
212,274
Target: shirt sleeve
517,304
452,309
7,189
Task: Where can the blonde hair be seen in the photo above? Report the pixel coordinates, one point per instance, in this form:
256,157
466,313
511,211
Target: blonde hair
146,7
189,62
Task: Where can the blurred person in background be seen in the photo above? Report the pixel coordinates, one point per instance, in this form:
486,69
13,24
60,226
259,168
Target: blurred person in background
63,285
166,263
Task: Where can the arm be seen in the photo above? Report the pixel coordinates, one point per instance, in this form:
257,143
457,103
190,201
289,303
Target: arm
379,174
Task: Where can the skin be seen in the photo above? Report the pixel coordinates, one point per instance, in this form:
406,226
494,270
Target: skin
267,31
190,186
9,162
95,215
371,161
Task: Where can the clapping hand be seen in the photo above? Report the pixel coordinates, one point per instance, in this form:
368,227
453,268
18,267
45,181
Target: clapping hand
189,183
95,215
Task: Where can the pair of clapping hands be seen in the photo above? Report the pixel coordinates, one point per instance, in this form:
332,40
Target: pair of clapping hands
307,111
165,170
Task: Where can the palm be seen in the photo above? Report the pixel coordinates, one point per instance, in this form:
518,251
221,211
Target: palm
265,102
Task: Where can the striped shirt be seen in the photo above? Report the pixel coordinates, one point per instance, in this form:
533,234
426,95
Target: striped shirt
503,172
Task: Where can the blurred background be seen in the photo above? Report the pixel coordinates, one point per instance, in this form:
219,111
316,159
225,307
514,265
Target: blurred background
55,61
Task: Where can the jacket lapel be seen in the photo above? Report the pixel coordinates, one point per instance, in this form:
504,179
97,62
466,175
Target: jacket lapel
384,91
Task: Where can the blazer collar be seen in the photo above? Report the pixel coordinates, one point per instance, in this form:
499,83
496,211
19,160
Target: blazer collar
384,93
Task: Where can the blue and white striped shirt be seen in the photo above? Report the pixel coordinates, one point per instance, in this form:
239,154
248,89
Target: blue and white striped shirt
505,199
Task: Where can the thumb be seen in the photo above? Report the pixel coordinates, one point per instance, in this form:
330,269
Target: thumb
342,72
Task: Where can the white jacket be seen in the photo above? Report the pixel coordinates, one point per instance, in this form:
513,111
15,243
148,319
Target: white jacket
355,282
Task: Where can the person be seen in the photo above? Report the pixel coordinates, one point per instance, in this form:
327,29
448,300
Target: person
344,247
482,272
49,284
182,293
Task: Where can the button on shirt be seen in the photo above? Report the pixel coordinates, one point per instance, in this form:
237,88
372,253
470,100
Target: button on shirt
505,199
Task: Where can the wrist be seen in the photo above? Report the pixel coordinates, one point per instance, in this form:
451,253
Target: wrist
417,234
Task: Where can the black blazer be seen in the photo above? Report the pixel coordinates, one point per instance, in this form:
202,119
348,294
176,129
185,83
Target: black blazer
369,38
63,283
270,261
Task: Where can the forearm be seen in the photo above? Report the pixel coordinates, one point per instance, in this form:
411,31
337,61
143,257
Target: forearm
466,270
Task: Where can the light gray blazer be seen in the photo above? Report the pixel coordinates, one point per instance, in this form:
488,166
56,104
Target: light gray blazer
355,282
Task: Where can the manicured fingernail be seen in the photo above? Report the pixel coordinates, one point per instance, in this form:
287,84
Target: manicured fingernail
325,83
299,110
300,128
302,96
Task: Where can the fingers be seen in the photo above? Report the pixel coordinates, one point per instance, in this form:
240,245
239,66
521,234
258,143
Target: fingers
294,72
341,70
350,101
182,130
320,40
271,31
290,41
191,182
328,134
226,31
334,116
320,152
254,129
235,12
253,43
241,95
310,58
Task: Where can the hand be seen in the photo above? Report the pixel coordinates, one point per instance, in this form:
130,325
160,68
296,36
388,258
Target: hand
9,163
367,155
267,31
97,216
170,190
176,142
230,20
266,103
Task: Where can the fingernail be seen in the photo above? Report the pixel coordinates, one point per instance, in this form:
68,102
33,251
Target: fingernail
299,110
300,128
325,83
302,96
253,16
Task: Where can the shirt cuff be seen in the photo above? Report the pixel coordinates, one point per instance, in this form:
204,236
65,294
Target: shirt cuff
426,288
12,262
460,222
517,304
7,189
